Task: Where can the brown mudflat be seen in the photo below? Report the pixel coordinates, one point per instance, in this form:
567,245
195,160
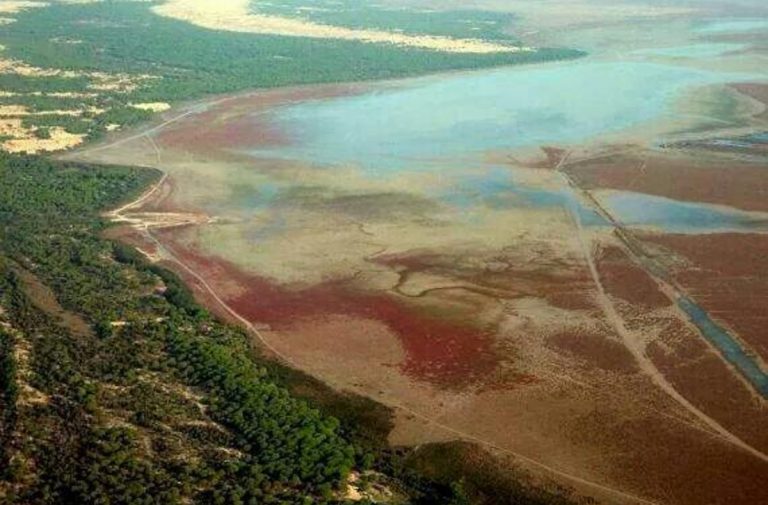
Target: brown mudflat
727,274
679,176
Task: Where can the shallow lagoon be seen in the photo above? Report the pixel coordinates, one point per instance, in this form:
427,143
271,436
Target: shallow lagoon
641,210
733,26
449,123
413,126
497,188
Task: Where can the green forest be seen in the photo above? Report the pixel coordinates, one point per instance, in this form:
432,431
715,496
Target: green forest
110,420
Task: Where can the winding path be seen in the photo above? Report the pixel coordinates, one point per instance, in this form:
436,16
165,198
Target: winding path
170,255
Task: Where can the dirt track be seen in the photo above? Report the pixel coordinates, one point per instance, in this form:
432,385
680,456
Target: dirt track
637,348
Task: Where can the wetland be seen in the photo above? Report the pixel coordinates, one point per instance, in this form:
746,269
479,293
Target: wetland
514,257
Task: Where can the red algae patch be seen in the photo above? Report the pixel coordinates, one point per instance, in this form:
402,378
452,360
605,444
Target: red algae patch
700,374
624,279
594,350
438,349
555,156
242,122
345,351
243,131
674,465
727,274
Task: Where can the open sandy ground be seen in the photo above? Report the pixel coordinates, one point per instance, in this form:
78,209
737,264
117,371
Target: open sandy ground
24,138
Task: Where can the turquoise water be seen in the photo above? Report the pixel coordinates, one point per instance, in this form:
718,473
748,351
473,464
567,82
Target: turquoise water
447,124
695,51
449,117
638,209
733,26
729,347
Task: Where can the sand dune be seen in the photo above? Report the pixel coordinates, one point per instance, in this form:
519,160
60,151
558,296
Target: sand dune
235,15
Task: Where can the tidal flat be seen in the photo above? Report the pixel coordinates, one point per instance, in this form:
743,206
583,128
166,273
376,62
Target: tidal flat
500,255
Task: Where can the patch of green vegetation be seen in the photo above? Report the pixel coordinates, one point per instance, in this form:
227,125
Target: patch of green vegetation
42,103
289,450
123,115
34,84
9,393
72,124
43,133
